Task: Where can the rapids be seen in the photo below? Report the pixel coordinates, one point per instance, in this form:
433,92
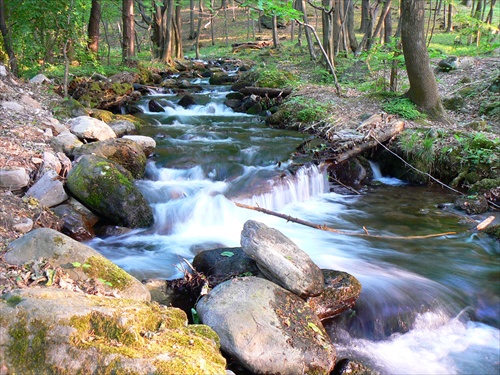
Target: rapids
428,306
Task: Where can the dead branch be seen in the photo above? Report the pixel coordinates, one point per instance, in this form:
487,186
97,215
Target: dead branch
328,229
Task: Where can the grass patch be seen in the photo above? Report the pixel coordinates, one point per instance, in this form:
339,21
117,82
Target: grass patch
403,107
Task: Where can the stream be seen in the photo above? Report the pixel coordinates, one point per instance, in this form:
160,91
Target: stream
428,306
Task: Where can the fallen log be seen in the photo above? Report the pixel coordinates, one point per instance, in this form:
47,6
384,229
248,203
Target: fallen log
265,91
378,128
251,45
328,229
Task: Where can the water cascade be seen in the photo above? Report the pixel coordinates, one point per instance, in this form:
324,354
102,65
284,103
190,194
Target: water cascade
428,306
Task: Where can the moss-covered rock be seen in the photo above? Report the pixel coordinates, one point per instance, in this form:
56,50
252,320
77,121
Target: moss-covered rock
472,204
61,332
108,189
68,108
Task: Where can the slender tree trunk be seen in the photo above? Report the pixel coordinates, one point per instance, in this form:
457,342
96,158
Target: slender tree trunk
388,28
177,40
128,47
449,19
198,31
276,40
423,87
365,15
353,42
489,18
310,43
93,31
327,18
167,24
7,40
191,20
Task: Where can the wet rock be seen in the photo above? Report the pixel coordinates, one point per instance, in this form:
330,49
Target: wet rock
222,78
340,293
351,172
62,251
346,366
472,204
267,329
49,189
126,152
233,103
255,109
14,178
108,189
281,260
186,101
48,331
235,95
224,263
77,220
155,107
90,129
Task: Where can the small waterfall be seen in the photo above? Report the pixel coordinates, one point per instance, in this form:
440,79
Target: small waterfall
377,176
309,181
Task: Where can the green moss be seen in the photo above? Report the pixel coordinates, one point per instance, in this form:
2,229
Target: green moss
122,88
102,268
14,300
103,115
150,331
27,346
484,185
493,231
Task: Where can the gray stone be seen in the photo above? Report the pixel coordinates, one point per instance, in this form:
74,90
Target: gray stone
13,106
91,129
267,329
3,70
281,260
14,178
30,103
65,142
122,127
61,250
23,225
39,78
148,144
51,162
49,189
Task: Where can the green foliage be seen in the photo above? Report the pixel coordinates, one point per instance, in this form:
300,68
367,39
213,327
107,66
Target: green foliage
419,148
307,110
476,149
403,107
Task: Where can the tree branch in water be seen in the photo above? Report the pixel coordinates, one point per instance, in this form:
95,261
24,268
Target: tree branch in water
328,229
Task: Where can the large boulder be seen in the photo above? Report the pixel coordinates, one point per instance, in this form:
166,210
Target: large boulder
90,129
126,152
65,142
267,329
147,144
108,189
281,260
54,331
62,251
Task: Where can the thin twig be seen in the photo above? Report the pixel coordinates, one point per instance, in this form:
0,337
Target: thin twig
328,229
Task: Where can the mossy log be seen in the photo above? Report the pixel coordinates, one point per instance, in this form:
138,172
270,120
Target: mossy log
264,91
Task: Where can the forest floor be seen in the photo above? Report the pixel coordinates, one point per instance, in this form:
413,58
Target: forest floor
23,139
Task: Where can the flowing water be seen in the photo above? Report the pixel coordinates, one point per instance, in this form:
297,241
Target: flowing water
428,306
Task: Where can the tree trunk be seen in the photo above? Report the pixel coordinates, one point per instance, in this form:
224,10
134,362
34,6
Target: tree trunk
489,18
191,20
198,30
353,42
449,19
93,31
310,43
7,40
423,88
276,40
365,15
177,39
128,46
327,29
388,28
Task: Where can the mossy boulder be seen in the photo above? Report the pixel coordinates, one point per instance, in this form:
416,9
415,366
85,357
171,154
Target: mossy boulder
472,204
108,189
126,152
53,331
69,108
64,252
